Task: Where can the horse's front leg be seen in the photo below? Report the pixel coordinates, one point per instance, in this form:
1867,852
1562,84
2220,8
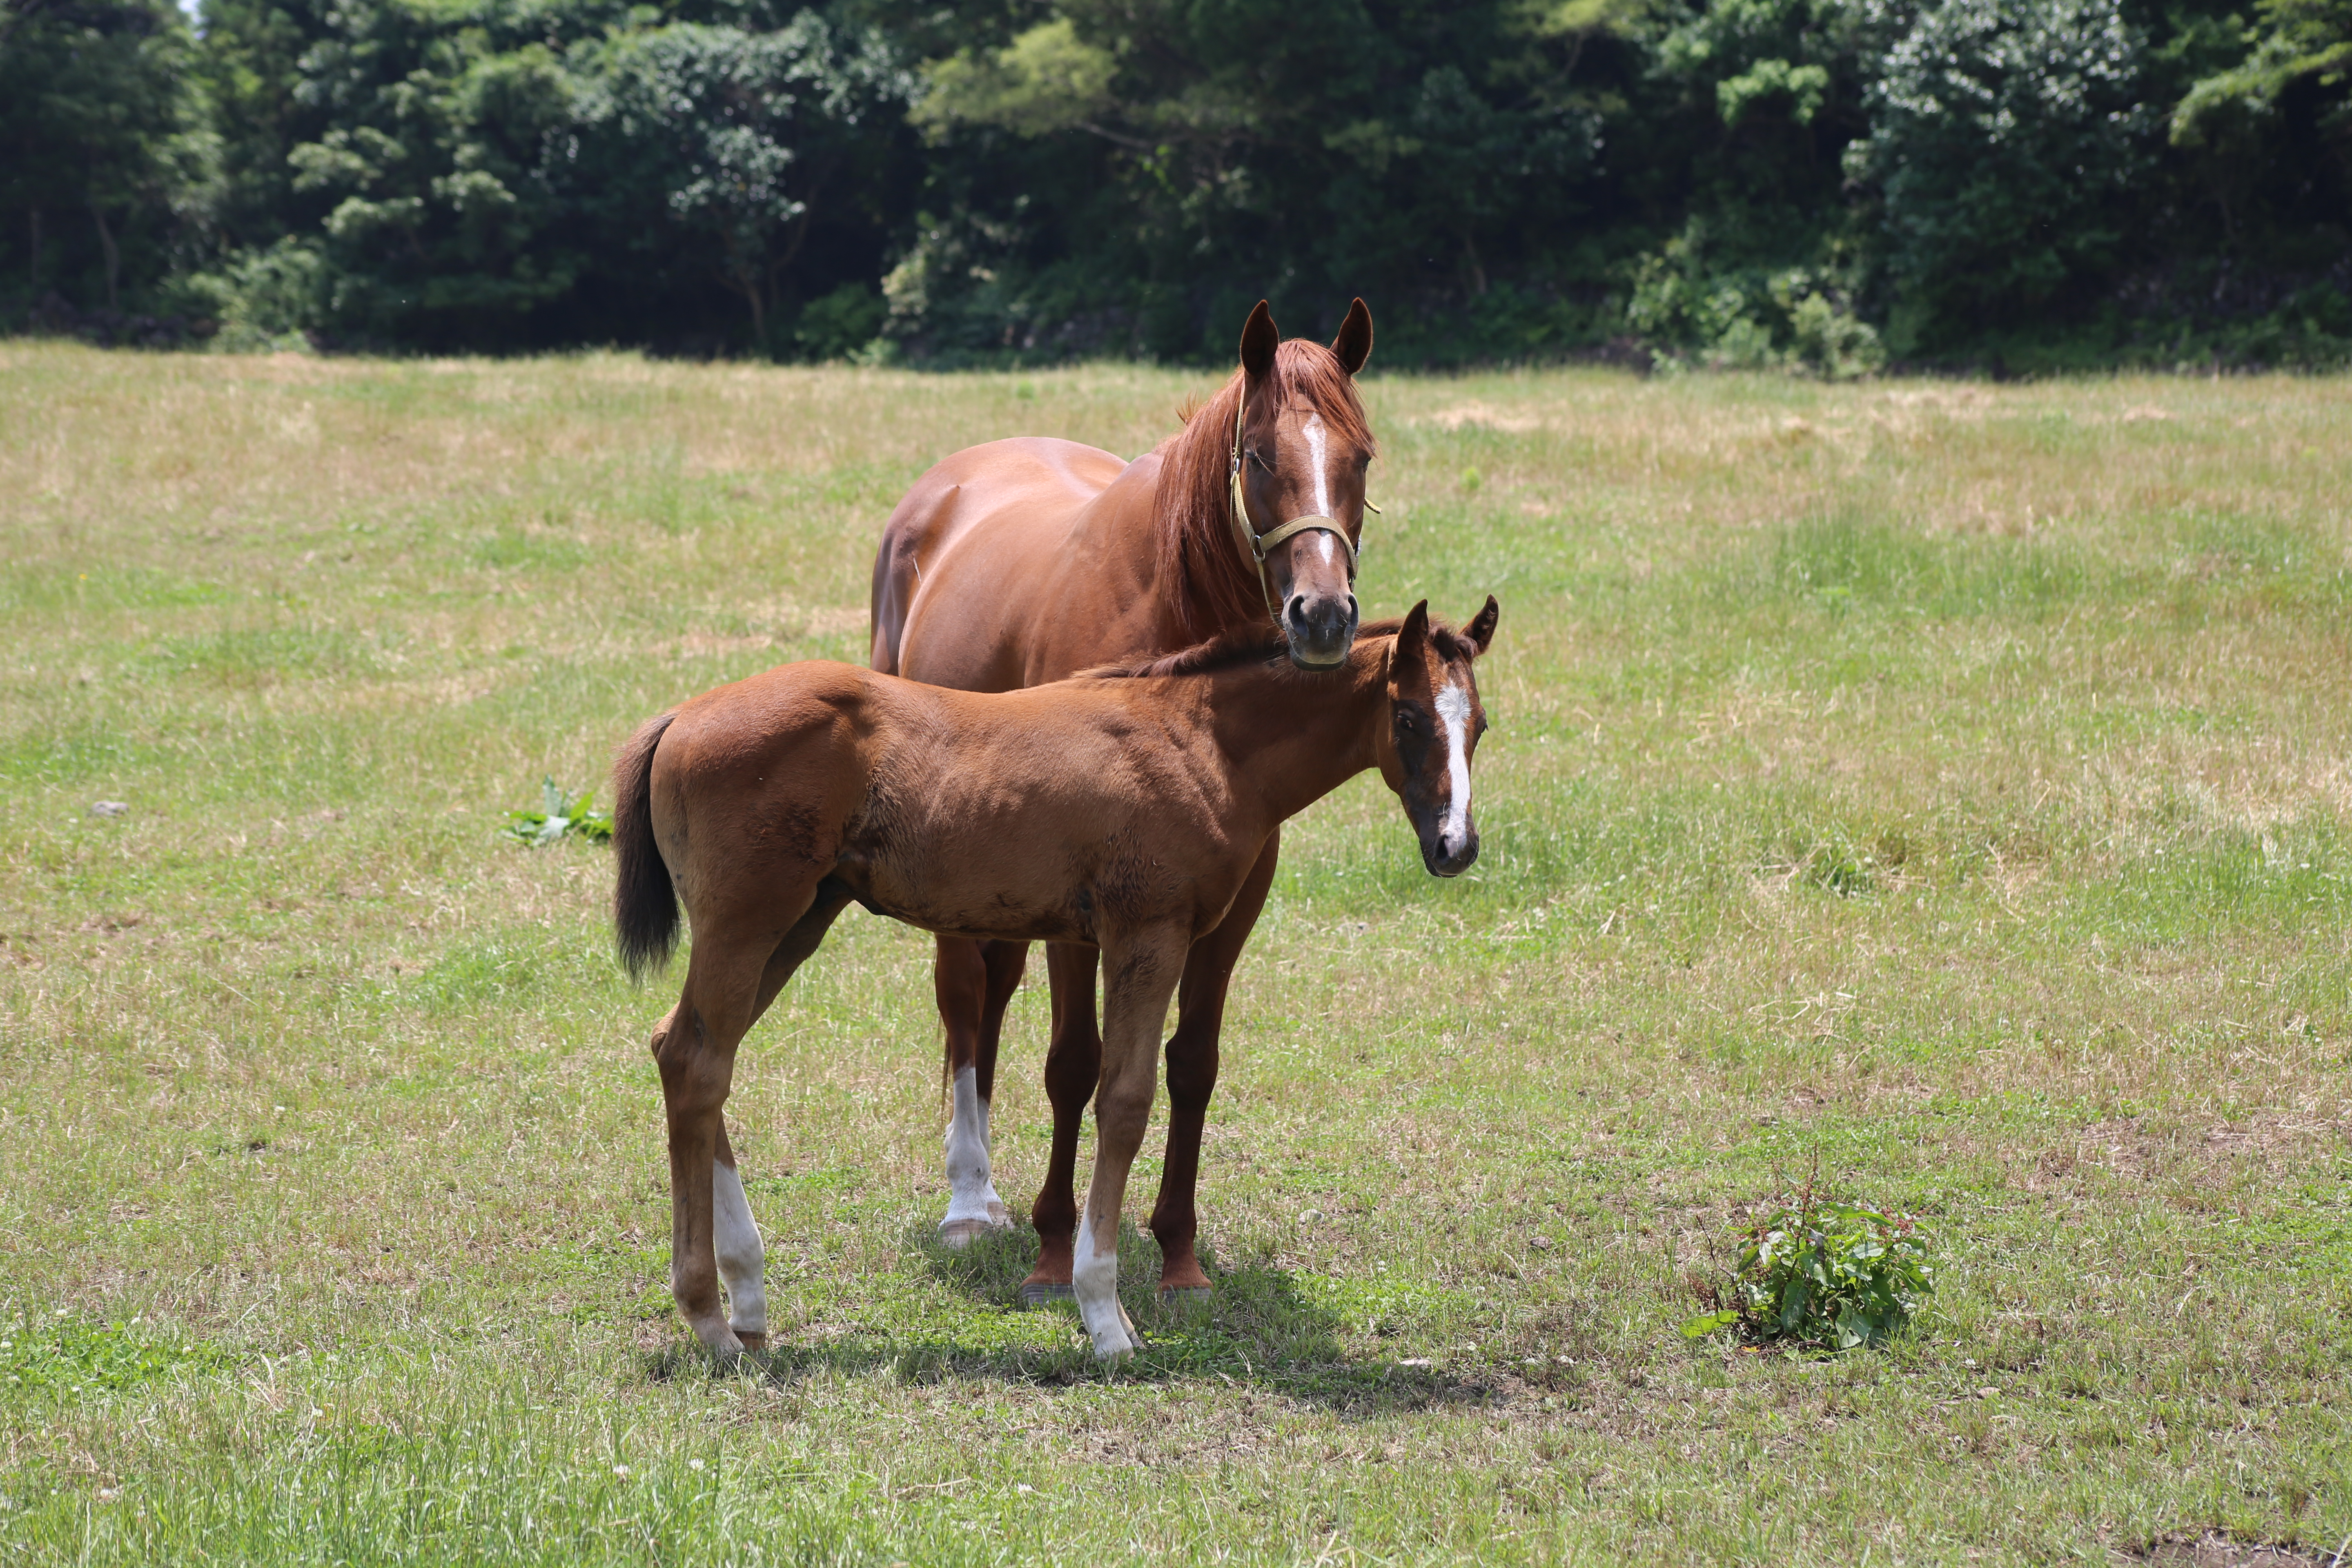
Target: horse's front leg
1140,975
1073,1064
1192,1078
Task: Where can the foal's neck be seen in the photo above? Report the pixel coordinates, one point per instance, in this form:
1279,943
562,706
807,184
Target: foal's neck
1297,736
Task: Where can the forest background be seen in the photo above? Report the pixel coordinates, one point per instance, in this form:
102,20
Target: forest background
2005,186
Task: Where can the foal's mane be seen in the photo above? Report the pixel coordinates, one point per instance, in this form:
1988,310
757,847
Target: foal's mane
1265,644
1215,585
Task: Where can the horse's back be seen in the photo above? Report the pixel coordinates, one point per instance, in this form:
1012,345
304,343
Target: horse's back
990,511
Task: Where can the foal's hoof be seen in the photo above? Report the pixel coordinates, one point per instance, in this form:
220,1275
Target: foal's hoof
1186,1298
1036,1293
754,1343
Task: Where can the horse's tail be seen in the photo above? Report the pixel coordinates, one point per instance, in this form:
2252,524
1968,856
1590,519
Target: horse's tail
644,905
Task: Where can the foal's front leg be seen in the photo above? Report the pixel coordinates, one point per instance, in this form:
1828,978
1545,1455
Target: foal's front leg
1140,975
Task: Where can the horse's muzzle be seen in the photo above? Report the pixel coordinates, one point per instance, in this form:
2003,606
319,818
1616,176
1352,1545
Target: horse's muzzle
1320,629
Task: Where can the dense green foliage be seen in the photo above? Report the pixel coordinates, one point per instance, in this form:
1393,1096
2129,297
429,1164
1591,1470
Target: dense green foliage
1833,1276
1821,184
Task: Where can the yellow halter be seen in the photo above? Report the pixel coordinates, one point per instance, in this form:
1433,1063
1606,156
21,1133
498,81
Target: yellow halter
1255,544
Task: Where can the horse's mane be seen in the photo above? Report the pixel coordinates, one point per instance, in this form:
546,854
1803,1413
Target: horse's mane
1265,644
1215,585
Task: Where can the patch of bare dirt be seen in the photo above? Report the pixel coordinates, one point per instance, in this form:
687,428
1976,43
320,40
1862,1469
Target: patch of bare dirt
2140,1147
1493,418
2217,1549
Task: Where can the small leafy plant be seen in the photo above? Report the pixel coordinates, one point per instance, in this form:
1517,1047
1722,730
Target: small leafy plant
1828,1276
67,1356
558,815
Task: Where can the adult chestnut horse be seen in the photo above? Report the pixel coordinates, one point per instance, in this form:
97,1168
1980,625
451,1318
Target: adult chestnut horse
1024,561
1128,812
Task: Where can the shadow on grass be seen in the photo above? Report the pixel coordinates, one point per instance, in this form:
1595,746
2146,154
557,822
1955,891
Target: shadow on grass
1259,1329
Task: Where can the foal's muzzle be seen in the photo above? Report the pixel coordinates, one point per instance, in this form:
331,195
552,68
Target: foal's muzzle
1447,854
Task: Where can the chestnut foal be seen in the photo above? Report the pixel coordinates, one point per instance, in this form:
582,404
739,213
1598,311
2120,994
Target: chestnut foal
1124,810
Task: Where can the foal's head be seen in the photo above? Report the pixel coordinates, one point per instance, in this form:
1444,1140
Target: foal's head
1434,722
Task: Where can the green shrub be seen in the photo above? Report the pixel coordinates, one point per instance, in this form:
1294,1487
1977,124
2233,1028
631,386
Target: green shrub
560,815
1825,1275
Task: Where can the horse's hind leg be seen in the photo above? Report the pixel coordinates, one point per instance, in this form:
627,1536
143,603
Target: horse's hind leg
973,981
735,1235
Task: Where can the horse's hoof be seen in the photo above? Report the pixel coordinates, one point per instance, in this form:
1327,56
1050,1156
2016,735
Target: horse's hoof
754,1342
1186,1298
1036,1293
960,1234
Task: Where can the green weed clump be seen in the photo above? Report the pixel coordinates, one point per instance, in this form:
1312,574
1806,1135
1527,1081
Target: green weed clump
1821,1275
67,1356
558,815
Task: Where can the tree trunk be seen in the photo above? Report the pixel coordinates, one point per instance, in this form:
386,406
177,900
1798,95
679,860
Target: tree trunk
36,213
113,256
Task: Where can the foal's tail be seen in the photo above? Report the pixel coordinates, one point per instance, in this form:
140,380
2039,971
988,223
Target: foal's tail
644,905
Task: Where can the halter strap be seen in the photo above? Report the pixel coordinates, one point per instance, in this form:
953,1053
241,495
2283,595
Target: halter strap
1255,544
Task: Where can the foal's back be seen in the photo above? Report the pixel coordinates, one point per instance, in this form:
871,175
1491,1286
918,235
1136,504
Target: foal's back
1054,813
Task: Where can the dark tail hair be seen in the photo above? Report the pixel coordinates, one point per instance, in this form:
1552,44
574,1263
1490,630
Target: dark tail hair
644,905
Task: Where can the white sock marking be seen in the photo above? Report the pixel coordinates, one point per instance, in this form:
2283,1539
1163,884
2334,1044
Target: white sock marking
972,1184
1453,710
1094,1281
736,1239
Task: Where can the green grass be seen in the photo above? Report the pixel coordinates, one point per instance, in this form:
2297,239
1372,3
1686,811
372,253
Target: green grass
1953,783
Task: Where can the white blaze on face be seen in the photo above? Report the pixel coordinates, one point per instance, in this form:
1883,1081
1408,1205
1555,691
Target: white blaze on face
972,1185
1315,450
736,1239
1454,712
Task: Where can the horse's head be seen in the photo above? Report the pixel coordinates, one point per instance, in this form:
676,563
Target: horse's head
1301,444
1434,722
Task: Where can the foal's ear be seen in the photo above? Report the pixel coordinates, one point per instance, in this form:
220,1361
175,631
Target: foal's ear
1354,346
1258,339
1481,629
1411,643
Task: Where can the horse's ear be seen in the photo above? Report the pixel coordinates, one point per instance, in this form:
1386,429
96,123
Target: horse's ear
1481,629
1258,339
1354,346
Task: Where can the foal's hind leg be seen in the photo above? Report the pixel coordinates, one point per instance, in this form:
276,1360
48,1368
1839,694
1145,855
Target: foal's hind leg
735,1235
729,979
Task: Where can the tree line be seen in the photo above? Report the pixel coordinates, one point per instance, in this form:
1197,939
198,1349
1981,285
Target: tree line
1827,184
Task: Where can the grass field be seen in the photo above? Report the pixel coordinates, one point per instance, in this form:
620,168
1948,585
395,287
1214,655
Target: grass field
1951,784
